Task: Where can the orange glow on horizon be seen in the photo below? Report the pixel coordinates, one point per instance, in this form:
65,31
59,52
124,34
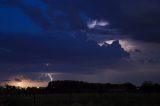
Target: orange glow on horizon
28,83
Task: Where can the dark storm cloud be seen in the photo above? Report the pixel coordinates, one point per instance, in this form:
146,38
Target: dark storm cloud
139,19
143,19
61,44
70,51
54,15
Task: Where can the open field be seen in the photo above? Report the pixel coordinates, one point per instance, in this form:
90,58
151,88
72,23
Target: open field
111,99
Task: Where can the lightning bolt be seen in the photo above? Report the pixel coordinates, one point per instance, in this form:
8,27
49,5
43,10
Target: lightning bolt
50,76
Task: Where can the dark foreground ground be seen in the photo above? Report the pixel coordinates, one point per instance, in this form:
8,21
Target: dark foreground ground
111,99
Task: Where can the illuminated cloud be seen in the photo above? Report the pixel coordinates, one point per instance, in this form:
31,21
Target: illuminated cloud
95,23
109,41
126,44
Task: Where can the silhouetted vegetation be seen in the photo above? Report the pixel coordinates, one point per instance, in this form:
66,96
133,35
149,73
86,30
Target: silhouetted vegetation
84,87
69,86
78,93
150,87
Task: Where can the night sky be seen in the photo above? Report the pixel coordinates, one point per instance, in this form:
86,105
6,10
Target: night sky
113,41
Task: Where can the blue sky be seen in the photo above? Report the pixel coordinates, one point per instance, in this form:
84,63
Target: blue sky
14,20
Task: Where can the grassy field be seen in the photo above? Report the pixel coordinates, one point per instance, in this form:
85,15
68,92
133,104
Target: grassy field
112,99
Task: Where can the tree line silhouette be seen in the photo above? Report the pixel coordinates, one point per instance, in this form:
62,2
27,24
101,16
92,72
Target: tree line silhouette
68,86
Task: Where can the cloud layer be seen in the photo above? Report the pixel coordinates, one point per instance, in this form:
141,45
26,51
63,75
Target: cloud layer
64,52
62,36
137,19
